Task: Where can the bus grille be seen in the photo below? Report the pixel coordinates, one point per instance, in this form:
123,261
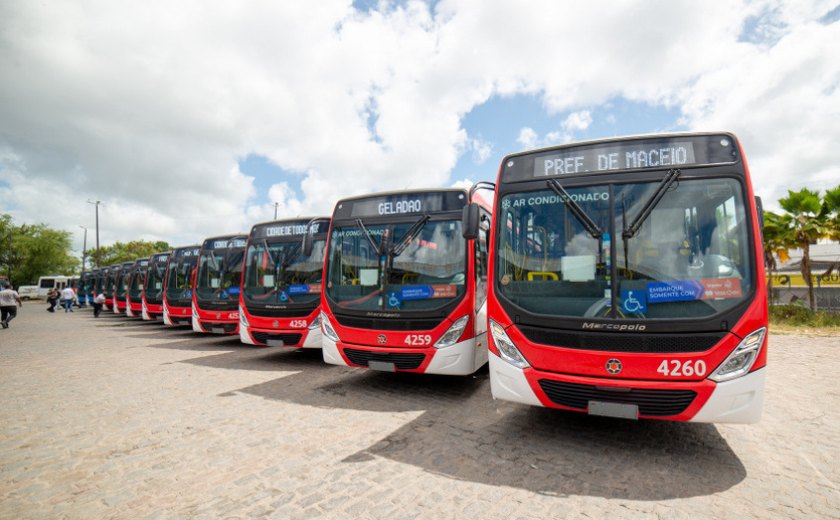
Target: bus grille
227,327
650,402
401,361
280,313
289,340
632,342
388,324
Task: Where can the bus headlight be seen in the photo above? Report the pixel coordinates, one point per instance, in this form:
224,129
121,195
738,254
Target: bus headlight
326,328
315,323
741,360
453,333
506,347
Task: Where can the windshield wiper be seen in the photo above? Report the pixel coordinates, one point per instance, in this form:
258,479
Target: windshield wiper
581,216
373,244
670,178
410,235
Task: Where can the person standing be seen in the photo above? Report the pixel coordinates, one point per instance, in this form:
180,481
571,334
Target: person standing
8,298
98,301
67,297
52,299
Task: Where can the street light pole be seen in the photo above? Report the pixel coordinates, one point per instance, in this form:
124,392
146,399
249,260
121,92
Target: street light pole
84,249
97,203
275,210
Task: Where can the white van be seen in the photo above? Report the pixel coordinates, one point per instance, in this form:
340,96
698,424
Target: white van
28,292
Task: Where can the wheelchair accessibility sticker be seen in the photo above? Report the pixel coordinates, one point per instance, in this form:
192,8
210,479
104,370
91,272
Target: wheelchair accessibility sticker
633,301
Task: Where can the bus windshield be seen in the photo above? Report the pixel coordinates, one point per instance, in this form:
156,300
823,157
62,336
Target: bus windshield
178,280
135,283
153,285
689,257
219,272
412,266
121,283
278,273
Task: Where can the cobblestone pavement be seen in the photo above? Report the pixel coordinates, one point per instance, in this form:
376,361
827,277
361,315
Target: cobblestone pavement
117,418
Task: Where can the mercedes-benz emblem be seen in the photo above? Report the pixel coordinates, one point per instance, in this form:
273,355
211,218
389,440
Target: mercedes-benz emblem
275,324
218,315
381,339
613,366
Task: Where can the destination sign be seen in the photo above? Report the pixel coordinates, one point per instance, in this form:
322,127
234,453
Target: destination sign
186,252
411,203
634,154
225,243
295,228
161,258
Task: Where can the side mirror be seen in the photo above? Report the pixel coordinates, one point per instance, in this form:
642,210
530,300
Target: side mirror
470,221
760,209
306,246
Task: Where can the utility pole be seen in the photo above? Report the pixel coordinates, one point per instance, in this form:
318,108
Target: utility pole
84,249
97,203
275,210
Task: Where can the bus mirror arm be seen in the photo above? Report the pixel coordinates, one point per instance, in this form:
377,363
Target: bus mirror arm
470,221
759,207
306,244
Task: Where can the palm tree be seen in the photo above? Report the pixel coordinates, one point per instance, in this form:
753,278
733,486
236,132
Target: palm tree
808,224
777,240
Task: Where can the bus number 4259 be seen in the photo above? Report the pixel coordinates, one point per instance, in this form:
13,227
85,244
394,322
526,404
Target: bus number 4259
673,367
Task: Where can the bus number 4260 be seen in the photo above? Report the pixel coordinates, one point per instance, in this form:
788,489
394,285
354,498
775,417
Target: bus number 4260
675,368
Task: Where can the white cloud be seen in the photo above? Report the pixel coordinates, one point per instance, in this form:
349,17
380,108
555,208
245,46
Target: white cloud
148,106
527,138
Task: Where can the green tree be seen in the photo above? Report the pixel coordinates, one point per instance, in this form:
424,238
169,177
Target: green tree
831,210
128,251
807,224
33,250
777,240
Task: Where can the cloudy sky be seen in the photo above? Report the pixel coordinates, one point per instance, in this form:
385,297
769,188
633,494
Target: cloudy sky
194,118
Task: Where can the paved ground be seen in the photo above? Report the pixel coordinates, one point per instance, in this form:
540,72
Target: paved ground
118,418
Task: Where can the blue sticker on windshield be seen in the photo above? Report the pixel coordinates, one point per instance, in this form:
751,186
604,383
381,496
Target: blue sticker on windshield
633,301
283,296
233,290
675,291
299,289
417,292
393,300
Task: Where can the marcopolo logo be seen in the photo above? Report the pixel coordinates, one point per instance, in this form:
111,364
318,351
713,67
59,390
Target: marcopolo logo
616,327
613,366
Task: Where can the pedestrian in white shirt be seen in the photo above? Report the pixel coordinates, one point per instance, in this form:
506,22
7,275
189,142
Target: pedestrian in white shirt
68,296
8,299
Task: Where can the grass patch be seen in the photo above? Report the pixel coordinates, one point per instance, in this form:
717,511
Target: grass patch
797,317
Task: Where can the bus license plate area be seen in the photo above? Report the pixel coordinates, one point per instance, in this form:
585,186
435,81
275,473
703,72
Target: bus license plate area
217,330
618,410
382,366
275,343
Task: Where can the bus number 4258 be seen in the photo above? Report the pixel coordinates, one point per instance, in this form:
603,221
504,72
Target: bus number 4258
675,368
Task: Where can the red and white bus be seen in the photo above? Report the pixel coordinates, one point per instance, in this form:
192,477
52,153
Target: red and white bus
215,299
281,286
627,280
121,277
404,290
153,286
178,286
134,294
109,277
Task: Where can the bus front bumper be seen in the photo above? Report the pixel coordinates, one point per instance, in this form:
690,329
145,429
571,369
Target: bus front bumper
291,338
737,401
462,358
